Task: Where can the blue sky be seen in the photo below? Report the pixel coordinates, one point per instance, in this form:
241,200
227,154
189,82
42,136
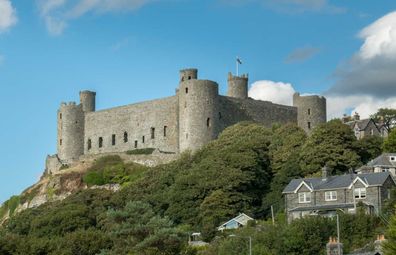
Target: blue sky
129,51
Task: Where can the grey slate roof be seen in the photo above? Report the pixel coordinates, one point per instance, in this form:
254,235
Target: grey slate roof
338,182
362,124
383,160
322,207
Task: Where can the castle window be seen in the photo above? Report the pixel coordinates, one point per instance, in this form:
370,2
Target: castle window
186,90
208,124
309,125
152,133
60,142
60,115
309,111
136,144
185,104
125,137
89,144
165,130
189,77
143,138
100,142
113,140
220,116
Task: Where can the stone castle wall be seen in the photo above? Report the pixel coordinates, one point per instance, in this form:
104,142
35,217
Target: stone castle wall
196,115
151,124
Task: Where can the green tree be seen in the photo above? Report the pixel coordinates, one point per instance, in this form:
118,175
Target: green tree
387,116
369,147
332,144
390,245
136,228
390,142
285,149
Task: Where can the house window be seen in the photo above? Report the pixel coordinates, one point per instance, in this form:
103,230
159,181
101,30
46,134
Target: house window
143,138
304,197
186,90
113,140
89,144
371,132
331,195
392,158
309,125
360,193
309,111
136,144
165,130
152,133
125,137
208,122
100,142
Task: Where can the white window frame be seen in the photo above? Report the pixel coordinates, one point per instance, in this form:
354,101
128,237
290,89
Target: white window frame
331,195
360,193
304,197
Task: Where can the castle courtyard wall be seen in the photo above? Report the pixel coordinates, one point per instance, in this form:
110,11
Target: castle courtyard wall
137,120
234,110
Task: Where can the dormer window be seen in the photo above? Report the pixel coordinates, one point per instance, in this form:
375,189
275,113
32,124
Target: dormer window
360,193
304,197
392,158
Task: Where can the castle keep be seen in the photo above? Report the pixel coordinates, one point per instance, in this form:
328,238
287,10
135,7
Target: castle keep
191,118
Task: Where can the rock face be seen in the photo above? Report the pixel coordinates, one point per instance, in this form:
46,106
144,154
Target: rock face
58,182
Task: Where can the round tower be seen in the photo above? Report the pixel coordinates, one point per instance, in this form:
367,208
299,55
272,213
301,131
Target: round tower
198,113
311,111
188,74
70,132
238,86
87,100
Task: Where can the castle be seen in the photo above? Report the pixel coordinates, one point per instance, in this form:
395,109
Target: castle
194,116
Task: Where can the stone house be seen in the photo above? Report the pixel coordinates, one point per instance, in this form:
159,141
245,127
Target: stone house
365,127
324,196
383,163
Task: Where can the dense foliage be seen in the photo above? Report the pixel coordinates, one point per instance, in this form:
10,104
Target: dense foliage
244,170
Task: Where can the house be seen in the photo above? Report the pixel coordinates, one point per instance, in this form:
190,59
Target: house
365,127
324,196
383,163
240,221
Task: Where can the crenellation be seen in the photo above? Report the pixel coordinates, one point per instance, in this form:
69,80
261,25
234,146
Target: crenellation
193,117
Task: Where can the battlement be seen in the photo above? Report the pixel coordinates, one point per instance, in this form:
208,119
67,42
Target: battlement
234,77
188,74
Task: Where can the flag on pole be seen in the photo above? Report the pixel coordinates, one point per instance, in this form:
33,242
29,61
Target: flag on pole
239,60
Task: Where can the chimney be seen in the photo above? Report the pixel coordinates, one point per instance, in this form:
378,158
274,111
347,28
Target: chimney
379,243
333,247
325,173
356,116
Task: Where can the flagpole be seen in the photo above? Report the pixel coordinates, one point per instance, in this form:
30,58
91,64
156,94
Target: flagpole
237,67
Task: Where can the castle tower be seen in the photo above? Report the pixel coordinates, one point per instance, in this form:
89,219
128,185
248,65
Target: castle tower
238,86
198,111
87,99
188,74
70,132
311,111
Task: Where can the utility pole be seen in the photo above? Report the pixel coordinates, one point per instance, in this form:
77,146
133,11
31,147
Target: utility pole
338,235
272,213
250,245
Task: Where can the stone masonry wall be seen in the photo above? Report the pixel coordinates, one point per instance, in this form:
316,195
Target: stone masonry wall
139,121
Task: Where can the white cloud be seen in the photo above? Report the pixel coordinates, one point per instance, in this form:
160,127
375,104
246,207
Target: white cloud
58,13
379,38
276,92
8,17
